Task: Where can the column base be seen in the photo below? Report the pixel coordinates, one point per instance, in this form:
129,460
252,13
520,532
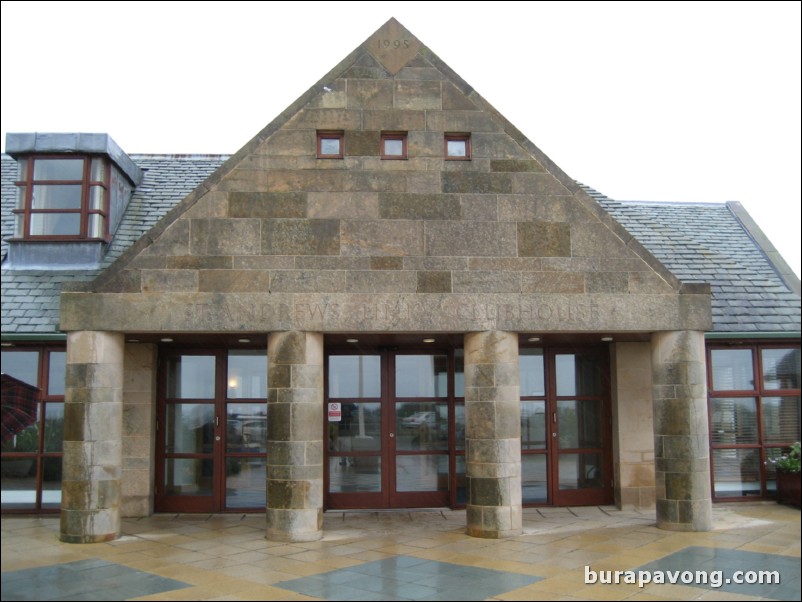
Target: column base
294,525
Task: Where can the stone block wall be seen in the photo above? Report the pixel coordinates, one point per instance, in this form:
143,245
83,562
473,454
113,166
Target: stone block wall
138,436
276,219
633,434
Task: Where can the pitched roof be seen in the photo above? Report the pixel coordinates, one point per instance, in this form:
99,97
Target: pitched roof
698,242
709,242
30,302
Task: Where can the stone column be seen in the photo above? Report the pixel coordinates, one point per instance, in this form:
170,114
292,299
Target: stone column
93,417
681,439
295,436
493,434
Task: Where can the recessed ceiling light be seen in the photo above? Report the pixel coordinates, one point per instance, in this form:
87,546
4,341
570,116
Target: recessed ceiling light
6,344
244,340
428,340
533,339
607,339
351,340
133,340
166,340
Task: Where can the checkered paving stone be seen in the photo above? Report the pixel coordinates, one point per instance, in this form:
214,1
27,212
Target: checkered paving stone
84,580
408,578
720,564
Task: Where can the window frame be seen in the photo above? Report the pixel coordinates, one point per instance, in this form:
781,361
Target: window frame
402,136
322,135
46,400
24,210
453,137
758,392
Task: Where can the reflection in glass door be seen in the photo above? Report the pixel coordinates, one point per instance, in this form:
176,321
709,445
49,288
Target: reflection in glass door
565,428
389,445
212,431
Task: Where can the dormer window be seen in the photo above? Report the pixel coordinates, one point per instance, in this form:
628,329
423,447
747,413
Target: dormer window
62,197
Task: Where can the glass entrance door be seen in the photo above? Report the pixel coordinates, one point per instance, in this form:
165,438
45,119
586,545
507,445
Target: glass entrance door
565,427
212,431
390,431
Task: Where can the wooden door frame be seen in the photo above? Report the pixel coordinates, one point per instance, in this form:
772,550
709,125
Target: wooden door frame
190,503
388,497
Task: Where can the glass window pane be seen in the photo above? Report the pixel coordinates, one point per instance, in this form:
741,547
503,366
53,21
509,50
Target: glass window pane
21,191
54,426
55,224
329,146
19,226
51,482
246,482
358,430
457,148
578,375
459,373
534,482
97,195
246,427
25,437
18,483
354,475
57,371
579,424
96,225
58,169
780,419
247,374
421,426
98,170
530,365
421,376
580,471
190,377
462,487
771,470
459,425
188,476
190,428
736,472
354,376
22,365
732,370
781,368
56,196
421,473
22,169
533,425
394,147
734,420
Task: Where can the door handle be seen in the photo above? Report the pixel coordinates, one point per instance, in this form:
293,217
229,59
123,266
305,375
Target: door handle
392,435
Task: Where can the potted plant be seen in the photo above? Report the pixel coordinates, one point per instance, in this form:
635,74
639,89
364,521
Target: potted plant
788,476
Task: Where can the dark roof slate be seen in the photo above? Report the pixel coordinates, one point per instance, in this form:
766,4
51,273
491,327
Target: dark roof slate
706,242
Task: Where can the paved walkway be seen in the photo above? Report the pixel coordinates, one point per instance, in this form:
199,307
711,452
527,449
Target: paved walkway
419,555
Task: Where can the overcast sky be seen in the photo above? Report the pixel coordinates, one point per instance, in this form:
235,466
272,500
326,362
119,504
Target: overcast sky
657,101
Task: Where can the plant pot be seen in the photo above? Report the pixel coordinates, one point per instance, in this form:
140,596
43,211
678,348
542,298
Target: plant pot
788,488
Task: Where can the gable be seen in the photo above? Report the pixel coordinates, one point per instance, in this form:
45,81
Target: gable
280,239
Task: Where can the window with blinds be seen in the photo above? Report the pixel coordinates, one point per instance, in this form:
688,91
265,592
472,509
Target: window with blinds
754,415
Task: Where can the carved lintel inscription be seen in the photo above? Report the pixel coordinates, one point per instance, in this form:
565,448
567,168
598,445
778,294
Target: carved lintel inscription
406,314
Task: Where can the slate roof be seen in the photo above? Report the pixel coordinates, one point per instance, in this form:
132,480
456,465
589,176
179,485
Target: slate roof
698,242
30,302
707,242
